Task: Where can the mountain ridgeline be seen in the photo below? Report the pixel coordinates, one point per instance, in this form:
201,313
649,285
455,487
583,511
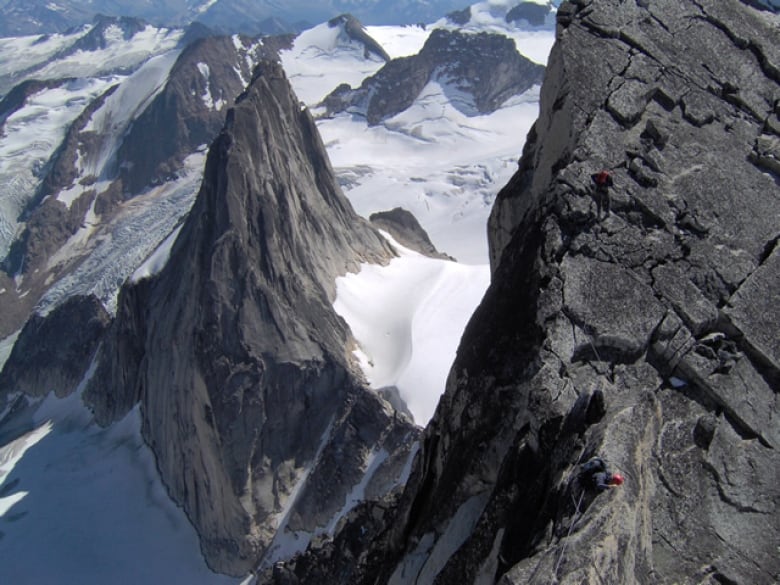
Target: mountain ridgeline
479,72
644,333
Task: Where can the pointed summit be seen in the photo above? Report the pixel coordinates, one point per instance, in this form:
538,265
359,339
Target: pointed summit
241,365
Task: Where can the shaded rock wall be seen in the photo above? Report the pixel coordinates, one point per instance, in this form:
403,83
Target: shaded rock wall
642,335
406,230
53,352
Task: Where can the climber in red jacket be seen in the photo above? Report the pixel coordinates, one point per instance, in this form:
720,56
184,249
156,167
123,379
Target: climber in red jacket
602,181
595,475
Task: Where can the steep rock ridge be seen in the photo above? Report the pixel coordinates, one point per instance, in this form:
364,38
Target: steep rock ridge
647,336
484,66
262,429
190,111
51,350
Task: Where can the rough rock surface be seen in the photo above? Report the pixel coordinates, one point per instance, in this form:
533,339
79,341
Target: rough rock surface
190,111
250,402
407,231
53,352
648,336
486,67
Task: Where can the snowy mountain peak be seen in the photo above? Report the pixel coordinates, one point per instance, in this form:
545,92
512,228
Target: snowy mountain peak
478,72
107,30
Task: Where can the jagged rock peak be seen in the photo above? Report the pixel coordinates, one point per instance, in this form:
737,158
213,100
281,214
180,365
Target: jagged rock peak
261,425
149,144
644,332
355,30
484,66
207,77
402,225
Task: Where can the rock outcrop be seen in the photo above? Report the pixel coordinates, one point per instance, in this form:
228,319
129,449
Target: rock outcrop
53,352
407,231
533,13
647,337
190,110
263,429
355,31
485,67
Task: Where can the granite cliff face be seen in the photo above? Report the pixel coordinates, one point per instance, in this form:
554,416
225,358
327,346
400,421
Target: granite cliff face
262,428
646,335
481,71
190,111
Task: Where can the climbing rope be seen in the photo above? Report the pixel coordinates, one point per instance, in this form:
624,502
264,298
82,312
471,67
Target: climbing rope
568,534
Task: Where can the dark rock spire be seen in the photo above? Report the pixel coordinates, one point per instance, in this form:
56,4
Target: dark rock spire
250,402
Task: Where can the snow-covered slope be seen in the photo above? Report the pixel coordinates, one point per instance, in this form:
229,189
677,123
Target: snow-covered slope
432,159
82,504
96,49
440,163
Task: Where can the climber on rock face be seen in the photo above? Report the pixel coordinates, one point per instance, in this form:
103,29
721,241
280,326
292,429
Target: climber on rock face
602,181
594,475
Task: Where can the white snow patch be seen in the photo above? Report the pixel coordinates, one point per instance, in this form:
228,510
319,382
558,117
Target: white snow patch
287,543
159,258
119,55
6,346
31,136
134,94
400,41
408,318
435,161
205,6
373,462
459,529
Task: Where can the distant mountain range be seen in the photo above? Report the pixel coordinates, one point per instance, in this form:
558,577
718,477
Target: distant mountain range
20,17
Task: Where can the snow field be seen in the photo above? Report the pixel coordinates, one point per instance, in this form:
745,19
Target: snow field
408,318
92,501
